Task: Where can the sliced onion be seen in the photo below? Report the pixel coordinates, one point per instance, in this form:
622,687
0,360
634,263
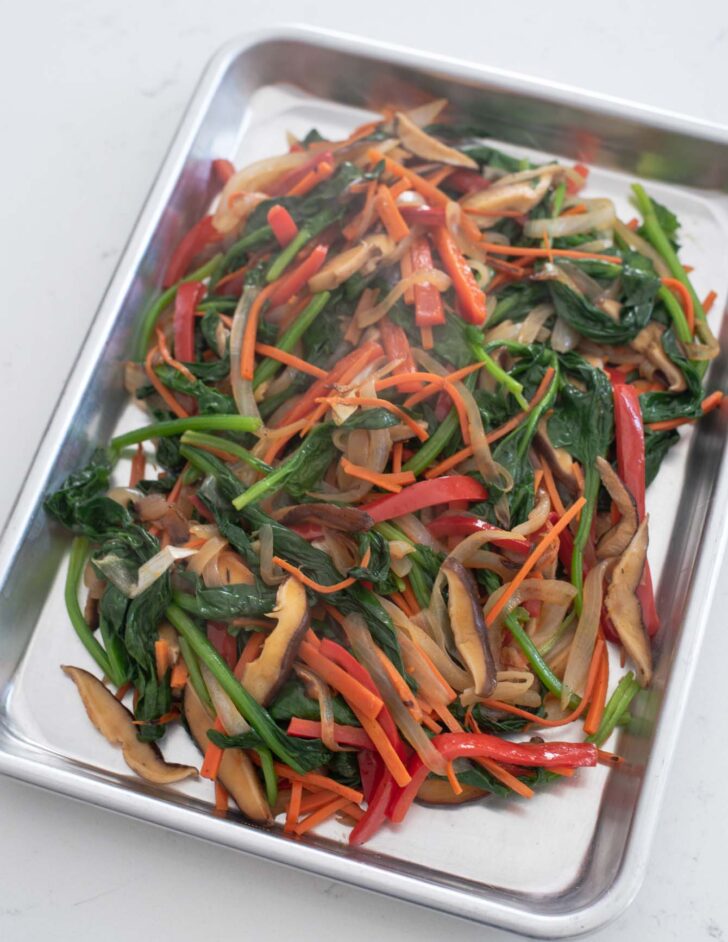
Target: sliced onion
636,242
341,548
512,686
127,495
428,682
233,723
423,145
242,388
563,336
471,250
519,197
534,321
365,650
318,689
537,518
582,645
374,314
426,114
205,553
232,570
415,530
115,570
232,210
600,215
506,330
152,506
520,176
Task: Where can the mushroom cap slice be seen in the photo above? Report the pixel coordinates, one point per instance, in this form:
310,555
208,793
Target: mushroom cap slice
340,268
237,773
112,719
265,676
623,607
648,342
468,627
616,540
421,144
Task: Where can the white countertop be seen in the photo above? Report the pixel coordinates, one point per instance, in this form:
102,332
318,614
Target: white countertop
91,95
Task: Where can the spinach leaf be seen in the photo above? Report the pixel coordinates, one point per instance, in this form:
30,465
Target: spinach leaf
79,487
371,419
292,701
310,753
209,400
657,445
661,406
669,223
516,300
230,601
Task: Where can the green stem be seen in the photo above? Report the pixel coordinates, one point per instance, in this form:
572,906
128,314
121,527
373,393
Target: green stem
250,241
251,711
284,258
269,367
616,708
557,202
674,309
76,562
658,239
199,439
500,375
152,313
195,423
591,490
434,444
193,669
539,665
269,775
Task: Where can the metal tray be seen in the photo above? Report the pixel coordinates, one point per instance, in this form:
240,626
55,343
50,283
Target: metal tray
574,857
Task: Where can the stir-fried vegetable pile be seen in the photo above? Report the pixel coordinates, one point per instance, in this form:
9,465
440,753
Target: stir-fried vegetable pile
405,394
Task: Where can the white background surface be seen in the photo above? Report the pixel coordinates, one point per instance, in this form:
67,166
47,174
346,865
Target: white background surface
91,93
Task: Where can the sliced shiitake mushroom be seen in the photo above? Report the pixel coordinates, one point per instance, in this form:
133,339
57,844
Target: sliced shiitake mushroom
347,263
468,627
648,342
438,791
115,722
519,196
623,607
421,144
616,540
346,519
237,773
265,676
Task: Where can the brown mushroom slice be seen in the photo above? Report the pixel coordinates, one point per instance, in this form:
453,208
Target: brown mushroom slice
345,519
115,723
347,263
616,540
468,627
518,197
265,676
421,144
623,607
648,342
438,791
237,773
559,460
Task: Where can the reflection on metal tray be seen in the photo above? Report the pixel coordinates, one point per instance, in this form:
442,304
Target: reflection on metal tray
573,857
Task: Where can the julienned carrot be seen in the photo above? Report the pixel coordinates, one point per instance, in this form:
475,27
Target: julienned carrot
435,382
390,215
709,301
428,341
449,463
179,675
685,297
551,489
221,797
160,388
707,405
210,767
373,403
311,583
384,747
295,280
247,356
599,697
389,482
289,359
323,814
138,466
162,657
168,358
498,249
453,779
409,597
294,807
322,172
534,557
400,685
314,781
397,449
356,694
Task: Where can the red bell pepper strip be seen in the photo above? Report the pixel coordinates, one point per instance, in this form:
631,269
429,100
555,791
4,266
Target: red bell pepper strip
423,215
202,234
376,814
467,181
290,179
283,224
189,295
471,298
429,311
426,494
296,279
572,186
223,169
631,467
396,346
223,642
462,524
370,771
344,735
484,746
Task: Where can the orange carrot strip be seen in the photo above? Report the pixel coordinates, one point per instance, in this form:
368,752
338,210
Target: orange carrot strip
552,490
390,215
160,388
400,601
453,779
534,557
575,210
314,781
318,817
397,449
373,402
428,341
498,249
178,677
294,808
709,301
311,583
599,697
123,690
315,800
356,694
707,405
289,359
537,478
178,485
400,685
162,657
385,749
210,767
247,356
138,466
388,482
685,297
409,597
221,797
168,358
322,172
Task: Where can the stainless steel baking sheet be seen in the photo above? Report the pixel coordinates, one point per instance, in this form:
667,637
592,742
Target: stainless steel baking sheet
572,858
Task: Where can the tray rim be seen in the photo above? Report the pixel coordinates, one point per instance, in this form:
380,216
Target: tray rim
365,875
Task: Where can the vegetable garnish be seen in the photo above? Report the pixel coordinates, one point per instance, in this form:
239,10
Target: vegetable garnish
402,427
